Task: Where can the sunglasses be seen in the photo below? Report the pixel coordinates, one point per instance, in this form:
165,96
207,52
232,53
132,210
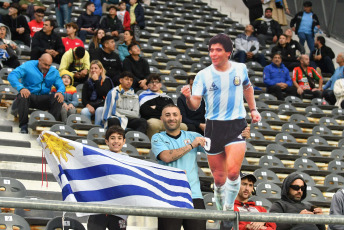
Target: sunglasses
297,187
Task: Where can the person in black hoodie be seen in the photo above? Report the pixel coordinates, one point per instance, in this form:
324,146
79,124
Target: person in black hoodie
287,53
112,25
323,56
138,66
294,191
19,28
87,22
47,41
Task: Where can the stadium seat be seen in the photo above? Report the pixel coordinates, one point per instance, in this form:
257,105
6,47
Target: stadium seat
174,97
62,32
12,188
194,53
174,65
337,113
13,221
287,140
319,143
132,151
196,67
301,120
287,109
160,57
178,44
277,150
263,127
291,128
24,50
309,180
184,59
169,50
42,118
257,81
205,60
304,164
205,180
274,164
202,34
315,196
271,118
87,142
78,121
254,65
179,74
260,201
309,152
314,111
97,134
138,139
320,130
336,166
210,204
257,138
333,182
266,175
68,223
337,154
202,159
155,42
64,131
341,143
330,122
169,80
147,48
154,63
7,92
269,191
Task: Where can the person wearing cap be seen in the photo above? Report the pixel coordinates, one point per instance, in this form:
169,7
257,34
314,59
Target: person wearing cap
294,191
304,23
242,204
70,95
223,85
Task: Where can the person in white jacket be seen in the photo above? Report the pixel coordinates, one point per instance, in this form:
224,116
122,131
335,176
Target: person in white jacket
338,90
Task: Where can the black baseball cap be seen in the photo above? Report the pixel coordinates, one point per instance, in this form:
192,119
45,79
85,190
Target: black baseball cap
246,175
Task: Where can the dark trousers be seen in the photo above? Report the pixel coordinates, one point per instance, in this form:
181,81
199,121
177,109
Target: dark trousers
83,34
329,96
242,57
278,91
326,65
176,224
103,221
42,102
137,124
315,94
194,128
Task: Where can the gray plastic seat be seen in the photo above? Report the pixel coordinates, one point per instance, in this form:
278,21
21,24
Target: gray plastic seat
292,99
328,121
285,138
97,134
87,142
7,92
12,188
316,141
184,59
78,121
194,53
309,180
256,135
267,97
335,166
261,126
160,57
315,196
147,48
269,162
337,154
254,65
291,128
64,131
266,175
268,190
286,109
314,111
333,182
154,69
202,159
174,97
309,152
155,42
205,60
321,130
276,149
4,72
318,101
196,67
298,118
270,117
138,139
209,203
174,65
338,112
261,201
132,151
341,143
69,223
304,164
179,74
169,80
42,118
13,221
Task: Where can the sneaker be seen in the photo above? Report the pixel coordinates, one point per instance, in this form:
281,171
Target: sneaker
24,129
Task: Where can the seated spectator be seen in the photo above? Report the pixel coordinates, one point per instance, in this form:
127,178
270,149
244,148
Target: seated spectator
87,22
277,79
124,15
122,106
112,25
294,191
9,50
63,10
294,45
30,6
242,204
123,48
71,41
247,47
138,66
98,6
323,55
96,41
137,17
27,79
152,101
17,23
338,90
77,61
47,41
288,57
328,93
110,60
194,120
4,6
36,24
70,96
337,208
266,28
304,77
107,3
94,92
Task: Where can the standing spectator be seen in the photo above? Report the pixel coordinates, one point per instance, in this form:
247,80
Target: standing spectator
194,120
294,191
138,66
122,106
71,41
305,22
337,208
107,3
124,15
87,22
266,28
152,101
36,24
30,6
77,61
323,56
96,41
47,41
63,9
94,92
294,45
123,48
112,25
338,90
255,9
137,17
287,53
304,77
98,6
247,47
20,30
242,204
110,60
34,91
277,79
328,93
278,8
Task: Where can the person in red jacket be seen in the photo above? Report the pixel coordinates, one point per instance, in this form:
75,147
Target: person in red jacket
243,205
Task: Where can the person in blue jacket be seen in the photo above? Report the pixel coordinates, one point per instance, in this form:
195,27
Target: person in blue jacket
98,5
34,80
277,79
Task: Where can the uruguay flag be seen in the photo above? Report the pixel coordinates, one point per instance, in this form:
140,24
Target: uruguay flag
88,174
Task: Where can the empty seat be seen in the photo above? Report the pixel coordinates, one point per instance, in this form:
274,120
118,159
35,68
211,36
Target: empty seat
174,97
7,92
285,138
210,204
286,109
266,175
333,182
87,142
301,121
304,164
337,154
336,166
196,67
314,111
138,139
309,152
316,141
276,149
132,151
97,134
42,118
13,221
328,121
78,121
309,180
194,53
254,65
184,59
62,32
24,50
319,102
321,131
315,196
64,131
169,50
155,42
269,162
160,57
68,223
261,201
179,74
291,128
174,65
11,188
178,44
292,100
169,80
201,46
147,48
268,190
205,60
271,118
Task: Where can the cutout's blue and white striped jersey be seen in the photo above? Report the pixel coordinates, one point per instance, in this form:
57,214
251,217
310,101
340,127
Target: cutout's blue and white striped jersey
222,91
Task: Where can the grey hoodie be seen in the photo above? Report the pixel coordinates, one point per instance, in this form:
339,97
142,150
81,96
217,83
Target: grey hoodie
7,40
337,208
286,205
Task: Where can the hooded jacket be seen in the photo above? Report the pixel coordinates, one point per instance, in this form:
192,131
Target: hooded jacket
139,68
8,39
70,96
287,205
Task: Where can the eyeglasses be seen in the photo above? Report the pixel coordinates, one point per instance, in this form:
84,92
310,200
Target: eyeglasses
297,187
154,82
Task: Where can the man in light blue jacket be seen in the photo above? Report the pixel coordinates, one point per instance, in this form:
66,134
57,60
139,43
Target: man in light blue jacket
37,77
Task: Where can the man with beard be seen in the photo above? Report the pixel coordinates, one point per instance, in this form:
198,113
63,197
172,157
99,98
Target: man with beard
294,191
323,55
34,80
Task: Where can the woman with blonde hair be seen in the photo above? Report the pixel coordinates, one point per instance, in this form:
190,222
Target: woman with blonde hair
95,41
94,92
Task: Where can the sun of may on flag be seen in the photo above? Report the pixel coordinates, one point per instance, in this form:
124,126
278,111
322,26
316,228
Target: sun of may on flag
88,174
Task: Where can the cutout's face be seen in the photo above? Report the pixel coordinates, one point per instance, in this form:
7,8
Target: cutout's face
218,55
171,118
115,142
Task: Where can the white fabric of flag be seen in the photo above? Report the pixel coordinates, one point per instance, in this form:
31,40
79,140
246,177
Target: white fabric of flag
88,174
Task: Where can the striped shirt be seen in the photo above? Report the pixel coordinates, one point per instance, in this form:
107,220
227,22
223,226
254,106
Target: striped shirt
222,91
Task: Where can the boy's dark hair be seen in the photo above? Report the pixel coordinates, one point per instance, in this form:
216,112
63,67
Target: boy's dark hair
79,51
321,39
126,74
131,45
121,2
88,3
40,11
269,8
72,24
224,40
114,129
153,76
191,78
106,38
307,4
112,7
